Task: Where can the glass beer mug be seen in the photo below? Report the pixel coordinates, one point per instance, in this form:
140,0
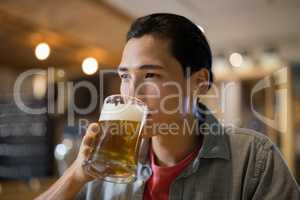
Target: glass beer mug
116,155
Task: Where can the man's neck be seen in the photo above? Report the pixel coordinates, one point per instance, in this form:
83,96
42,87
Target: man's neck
171,149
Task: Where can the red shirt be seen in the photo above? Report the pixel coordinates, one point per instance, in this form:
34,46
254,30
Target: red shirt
158,185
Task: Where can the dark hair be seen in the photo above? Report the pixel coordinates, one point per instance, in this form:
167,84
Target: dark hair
187,42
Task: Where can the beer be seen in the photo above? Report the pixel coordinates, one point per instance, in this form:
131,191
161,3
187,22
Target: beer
119,146
115,157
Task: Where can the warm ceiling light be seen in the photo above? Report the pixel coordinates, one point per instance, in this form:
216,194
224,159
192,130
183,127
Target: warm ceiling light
42,51
236,59
89,65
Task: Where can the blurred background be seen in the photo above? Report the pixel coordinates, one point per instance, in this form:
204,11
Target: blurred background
256,47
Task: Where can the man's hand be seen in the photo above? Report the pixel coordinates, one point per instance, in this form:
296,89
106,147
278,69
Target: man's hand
88,144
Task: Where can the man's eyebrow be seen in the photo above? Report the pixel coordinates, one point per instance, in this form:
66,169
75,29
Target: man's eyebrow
143,67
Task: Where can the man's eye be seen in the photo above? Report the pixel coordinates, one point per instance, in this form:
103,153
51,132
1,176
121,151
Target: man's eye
124,76
151,75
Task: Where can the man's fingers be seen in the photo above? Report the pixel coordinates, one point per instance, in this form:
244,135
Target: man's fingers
93,129
87,151
89,141
92,134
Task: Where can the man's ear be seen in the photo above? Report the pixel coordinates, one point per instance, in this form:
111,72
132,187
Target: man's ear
201,81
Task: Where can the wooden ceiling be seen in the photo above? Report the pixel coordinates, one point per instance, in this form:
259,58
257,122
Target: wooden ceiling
74,30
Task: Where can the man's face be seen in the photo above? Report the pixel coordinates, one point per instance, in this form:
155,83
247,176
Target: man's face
149,72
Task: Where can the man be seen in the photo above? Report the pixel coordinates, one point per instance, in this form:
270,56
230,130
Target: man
166,62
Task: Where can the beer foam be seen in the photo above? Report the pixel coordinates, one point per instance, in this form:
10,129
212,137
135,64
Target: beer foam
122,112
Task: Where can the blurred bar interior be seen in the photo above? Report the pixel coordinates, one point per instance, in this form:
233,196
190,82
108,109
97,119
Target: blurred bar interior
256,46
